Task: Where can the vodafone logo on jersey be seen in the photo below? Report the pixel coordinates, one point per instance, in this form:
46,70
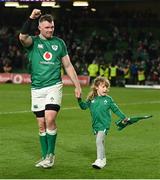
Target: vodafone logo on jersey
47,56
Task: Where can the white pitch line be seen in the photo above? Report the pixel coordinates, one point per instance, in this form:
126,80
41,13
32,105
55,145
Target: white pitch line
76,107
21,112
138,103
68,94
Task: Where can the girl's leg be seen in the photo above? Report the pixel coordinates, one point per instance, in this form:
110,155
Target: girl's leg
100,144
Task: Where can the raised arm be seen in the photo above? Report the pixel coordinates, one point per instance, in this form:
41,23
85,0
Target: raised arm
72,74
24,36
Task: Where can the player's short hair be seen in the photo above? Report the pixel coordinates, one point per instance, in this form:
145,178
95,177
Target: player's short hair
46,17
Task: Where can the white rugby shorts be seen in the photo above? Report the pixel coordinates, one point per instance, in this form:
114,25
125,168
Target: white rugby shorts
46,95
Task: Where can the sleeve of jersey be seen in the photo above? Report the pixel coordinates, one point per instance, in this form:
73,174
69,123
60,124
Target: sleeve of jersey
30,47
64,49
83,104
116,110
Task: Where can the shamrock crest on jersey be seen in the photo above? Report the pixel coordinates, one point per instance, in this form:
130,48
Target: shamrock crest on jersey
47,56
54,47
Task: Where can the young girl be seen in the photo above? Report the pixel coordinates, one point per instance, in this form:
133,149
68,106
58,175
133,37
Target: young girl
100,104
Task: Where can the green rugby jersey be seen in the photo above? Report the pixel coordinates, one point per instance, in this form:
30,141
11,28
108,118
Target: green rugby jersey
45,61
100,108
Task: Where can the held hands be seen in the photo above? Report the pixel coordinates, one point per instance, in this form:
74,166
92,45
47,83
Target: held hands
35,14
78,92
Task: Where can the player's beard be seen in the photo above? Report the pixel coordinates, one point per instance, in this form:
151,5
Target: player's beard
49,35
46,36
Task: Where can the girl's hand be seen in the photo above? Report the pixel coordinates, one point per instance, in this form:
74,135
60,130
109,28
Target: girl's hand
125,121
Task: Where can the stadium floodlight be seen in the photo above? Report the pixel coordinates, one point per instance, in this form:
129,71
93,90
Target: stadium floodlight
80,3
11,4
93,9
22,6
50,4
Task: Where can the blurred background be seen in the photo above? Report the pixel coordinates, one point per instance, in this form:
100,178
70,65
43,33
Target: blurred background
118,39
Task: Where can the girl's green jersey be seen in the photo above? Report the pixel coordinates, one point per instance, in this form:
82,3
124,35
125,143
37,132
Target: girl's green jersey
45,61
100,108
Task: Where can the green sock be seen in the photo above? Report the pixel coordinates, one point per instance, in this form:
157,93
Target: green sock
43,142
51,139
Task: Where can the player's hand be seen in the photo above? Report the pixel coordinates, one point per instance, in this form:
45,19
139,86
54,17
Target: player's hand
78,92
35,13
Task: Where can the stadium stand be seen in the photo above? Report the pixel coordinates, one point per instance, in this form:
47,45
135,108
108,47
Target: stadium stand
125,36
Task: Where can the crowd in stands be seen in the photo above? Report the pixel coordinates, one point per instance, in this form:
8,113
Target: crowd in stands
123,55
12,58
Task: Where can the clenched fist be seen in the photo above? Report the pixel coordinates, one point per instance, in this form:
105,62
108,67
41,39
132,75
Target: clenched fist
35,13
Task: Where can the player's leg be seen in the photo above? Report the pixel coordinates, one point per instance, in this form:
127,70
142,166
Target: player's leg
38,107
42,133
42,139
51,132
53,101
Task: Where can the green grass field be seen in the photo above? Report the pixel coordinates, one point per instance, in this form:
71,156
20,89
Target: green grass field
131,153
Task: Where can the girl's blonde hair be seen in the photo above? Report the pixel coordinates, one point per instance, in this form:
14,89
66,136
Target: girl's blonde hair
96,83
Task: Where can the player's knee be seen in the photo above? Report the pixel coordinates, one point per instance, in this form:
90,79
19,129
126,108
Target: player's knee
42,129
54,107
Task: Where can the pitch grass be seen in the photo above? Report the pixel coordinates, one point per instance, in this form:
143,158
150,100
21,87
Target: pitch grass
131,153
